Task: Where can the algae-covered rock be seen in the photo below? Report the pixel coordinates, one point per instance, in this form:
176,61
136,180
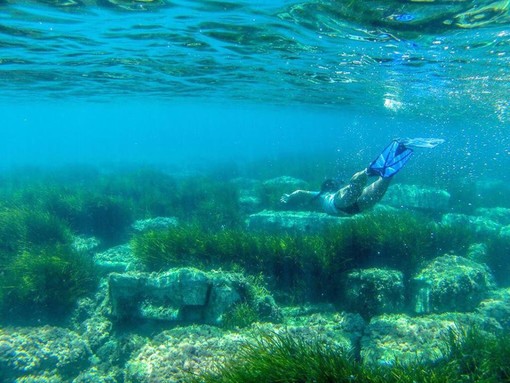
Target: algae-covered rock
183,295
417,197
175,355
374,291
399,338
292,221
178,354
497,307
451,283
290,183
481,226
477,252
500,215
33,351
157,223
116,259
85,244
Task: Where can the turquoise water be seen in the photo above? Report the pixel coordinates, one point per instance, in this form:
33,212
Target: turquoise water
167,82
117,111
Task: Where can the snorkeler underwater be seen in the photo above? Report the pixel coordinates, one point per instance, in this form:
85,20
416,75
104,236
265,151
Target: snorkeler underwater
213,191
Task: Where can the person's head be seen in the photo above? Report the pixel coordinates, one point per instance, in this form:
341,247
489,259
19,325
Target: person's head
330,185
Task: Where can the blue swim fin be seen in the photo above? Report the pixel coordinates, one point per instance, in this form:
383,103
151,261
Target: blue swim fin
391,160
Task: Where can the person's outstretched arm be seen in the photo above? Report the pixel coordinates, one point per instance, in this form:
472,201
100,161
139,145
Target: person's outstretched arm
298,197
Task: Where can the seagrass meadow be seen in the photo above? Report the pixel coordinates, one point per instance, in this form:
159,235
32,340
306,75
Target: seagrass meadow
236,191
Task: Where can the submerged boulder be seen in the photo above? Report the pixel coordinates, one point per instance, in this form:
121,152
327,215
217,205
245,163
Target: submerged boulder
48,352
290,183
499,215
374,291
417,197
480,226
175,354
451,283
292,221
185,295
389,339
157,223
116,259
497,307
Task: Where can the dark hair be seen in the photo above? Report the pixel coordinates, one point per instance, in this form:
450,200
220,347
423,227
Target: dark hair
330,185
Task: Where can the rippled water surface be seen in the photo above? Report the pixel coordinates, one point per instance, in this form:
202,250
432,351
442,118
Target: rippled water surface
415,57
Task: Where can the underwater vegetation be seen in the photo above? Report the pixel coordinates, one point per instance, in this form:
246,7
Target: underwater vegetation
44,283
305,266
271,357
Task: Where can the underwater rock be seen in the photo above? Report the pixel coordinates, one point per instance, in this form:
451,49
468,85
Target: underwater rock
33,351
249,196
480,225
157,223
499,215
93,375
504,233
175,354
292,221
85,244
451,283
183,295
399,338
374,291
117,259
287,182
343,329
492,192
249,201
497,307
477,252
417,197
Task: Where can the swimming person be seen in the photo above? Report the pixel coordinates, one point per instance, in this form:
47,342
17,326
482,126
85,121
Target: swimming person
356,196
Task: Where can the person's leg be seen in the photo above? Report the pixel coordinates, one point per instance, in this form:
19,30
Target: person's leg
349,194
373,193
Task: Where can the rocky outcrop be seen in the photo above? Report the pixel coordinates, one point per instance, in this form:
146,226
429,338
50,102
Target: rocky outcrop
417,197
481,226
499,215
184,295
116,259
157,223
451,283
292,221
175,354
41,352
374,291
400,338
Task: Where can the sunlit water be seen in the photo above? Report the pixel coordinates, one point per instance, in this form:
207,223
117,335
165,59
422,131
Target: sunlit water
130,78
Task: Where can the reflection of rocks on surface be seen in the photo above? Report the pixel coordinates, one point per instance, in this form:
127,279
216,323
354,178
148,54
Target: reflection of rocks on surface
157,223
374,291
31,351
292,221
183,295
417,197
116,259
451,283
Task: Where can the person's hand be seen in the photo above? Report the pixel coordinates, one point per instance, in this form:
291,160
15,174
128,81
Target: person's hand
285,198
